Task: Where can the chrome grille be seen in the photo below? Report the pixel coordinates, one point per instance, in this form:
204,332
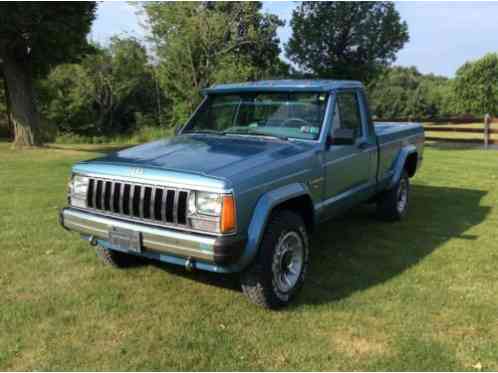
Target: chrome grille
140,201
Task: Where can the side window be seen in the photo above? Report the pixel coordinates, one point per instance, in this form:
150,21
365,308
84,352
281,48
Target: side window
336,120
347,113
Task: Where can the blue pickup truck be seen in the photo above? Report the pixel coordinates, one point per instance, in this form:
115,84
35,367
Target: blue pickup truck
245,182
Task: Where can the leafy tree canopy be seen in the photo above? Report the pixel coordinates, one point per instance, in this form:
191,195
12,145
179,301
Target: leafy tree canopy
202,43
401,92
345,40
476,86
30,30
34,37
102,94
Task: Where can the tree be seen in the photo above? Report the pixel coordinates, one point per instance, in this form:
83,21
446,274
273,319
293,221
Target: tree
66,99
345,40
118,75
476,86
33,38
198,44
438,91
400,92
103,93
4,110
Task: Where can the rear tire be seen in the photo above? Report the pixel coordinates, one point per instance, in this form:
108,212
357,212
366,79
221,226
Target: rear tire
392,204
279,269
115,258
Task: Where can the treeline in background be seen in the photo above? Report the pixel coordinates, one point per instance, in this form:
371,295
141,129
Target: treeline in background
131,90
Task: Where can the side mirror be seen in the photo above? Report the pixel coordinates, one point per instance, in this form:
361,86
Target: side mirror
342,136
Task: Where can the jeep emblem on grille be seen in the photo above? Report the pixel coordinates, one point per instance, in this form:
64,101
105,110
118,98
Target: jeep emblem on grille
136,171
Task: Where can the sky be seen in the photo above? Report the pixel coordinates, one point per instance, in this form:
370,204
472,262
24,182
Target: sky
443,35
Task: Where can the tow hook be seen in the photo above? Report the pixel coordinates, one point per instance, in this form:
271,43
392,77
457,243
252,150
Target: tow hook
92,240
189,265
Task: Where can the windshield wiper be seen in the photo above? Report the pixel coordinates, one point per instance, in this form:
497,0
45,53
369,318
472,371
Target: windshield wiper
259,134
210,132
237,132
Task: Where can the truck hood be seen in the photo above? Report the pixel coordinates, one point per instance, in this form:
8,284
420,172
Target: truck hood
208,155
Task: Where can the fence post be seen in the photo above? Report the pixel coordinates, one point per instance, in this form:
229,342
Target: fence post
487,122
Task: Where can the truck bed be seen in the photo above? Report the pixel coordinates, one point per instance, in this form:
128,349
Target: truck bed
392,137
390,131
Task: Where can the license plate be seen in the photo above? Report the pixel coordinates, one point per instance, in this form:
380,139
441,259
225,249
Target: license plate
125,239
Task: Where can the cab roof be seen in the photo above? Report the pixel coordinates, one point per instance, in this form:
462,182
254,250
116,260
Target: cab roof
290,85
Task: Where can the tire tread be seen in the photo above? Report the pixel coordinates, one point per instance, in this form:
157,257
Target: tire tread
254,281
387,202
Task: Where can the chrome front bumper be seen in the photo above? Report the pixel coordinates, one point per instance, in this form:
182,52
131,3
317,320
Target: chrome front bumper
215,250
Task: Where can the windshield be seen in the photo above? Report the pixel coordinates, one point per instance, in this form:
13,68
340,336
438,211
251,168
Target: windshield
289,115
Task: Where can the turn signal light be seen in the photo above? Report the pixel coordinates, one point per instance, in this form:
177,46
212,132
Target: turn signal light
228,215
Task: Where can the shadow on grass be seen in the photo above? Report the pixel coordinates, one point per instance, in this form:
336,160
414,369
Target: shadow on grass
356,251
228,281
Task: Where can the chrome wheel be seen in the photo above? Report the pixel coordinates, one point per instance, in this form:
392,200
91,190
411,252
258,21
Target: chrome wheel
402,200
288,261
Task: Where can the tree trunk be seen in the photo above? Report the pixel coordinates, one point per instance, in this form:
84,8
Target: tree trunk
10,127
158,98
23,112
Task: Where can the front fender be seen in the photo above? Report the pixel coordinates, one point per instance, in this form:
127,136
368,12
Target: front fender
265,205
399,165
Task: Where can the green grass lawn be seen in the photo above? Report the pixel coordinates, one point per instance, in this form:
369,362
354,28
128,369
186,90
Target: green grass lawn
415,295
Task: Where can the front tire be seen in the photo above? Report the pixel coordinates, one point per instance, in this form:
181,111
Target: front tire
393,203
278,271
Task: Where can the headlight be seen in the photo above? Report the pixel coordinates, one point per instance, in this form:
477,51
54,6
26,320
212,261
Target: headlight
212,212
78,188
79,185
208,203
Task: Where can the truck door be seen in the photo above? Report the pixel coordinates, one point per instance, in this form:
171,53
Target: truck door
347,167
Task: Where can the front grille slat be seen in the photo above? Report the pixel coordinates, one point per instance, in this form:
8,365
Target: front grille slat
175,208
167,206
126,198
111,198
90,193
130,200
164,206
147,202
94,194
136,201
141,203
152,205
158,203
106,196
98,195
102,194
117,198
181,207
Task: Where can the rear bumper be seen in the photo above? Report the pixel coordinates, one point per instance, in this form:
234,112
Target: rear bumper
221,251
